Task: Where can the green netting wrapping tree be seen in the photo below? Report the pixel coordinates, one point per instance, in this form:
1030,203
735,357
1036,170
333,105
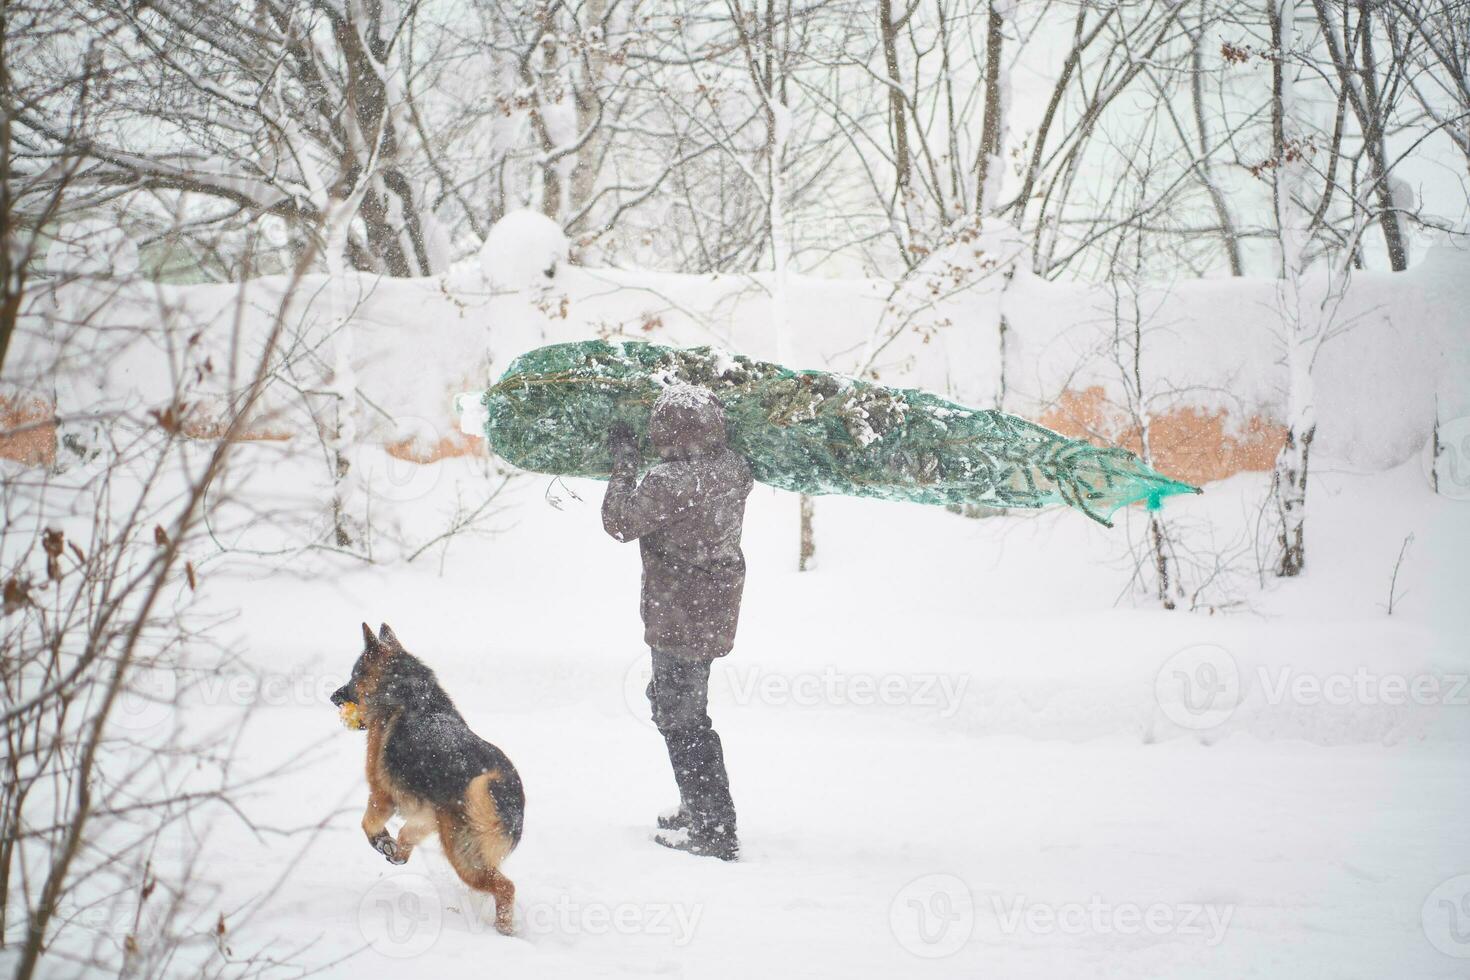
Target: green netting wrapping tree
807,431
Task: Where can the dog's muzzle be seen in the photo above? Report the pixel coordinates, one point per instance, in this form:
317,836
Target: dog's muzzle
341,696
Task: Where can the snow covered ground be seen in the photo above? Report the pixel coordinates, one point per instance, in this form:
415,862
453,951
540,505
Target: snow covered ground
954,753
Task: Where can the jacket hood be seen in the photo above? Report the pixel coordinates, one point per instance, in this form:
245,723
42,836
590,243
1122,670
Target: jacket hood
687,421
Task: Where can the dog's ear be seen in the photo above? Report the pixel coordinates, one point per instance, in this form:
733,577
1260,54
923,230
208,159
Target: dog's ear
386,637
369,642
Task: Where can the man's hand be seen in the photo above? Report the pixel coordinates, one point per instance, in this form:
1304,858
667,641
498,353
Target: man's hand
622,443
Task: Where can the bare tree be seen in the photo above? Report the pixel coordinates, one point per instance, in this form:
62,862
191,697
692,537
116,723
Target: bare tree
254,108
1430,44
1370,92
988,158
101,648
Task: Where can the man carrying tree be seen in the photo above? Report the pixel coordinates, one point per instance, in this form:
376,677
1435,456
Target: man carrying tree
686,516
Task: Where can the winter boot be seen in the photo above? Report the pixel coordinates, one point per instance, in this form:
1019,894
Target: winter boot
725,846
705,822
679,819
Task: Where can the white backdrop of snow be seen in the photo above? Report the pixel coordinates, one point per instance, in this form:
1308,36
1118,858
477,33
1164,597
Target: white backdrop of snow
1051,772
1059,777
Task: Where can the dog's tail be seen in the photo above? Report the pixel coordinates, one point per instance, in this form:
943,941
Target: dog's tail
494,808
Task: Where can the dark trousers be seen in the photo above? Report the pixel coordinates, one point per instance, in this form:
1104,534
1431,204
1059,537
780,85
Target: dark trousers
679,694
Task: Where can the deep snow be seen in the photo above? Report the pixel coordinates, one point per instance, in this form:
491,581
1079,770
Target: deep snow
946,739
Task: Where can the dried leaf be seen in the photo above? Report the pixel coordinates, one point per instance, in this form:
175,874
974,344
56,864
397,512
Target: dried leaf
160,536
52,541
193,579
1234,54
171,419
149,882
17,595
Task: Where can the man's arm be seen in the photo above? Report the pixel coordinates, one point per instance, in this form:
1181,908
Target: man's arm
631,510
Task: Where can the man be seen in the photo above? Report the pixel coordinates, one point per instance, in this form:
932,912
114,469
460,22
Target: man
686,517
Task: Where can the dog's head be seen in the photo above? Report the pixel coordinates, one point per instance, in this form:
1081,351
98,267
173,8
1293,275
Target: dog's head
355,698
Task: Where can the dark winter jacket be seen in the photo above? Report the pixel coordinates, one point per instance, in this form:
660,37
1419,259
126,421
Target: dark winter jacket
686,517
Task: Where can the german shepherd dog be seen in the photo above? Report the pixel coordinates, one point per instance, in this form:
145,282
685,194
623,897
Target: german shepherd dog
424,763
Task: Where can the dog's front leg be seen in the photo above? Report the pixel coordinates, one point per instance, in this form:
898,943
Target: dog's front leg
415,829
375,824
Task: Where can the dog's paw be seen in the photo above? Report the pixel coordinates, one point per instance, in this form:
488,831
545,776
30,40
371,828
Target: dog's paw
387,847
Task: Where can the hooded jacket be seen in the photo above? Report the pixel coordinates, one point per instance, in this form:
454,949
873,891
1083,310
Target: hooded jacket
686,516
